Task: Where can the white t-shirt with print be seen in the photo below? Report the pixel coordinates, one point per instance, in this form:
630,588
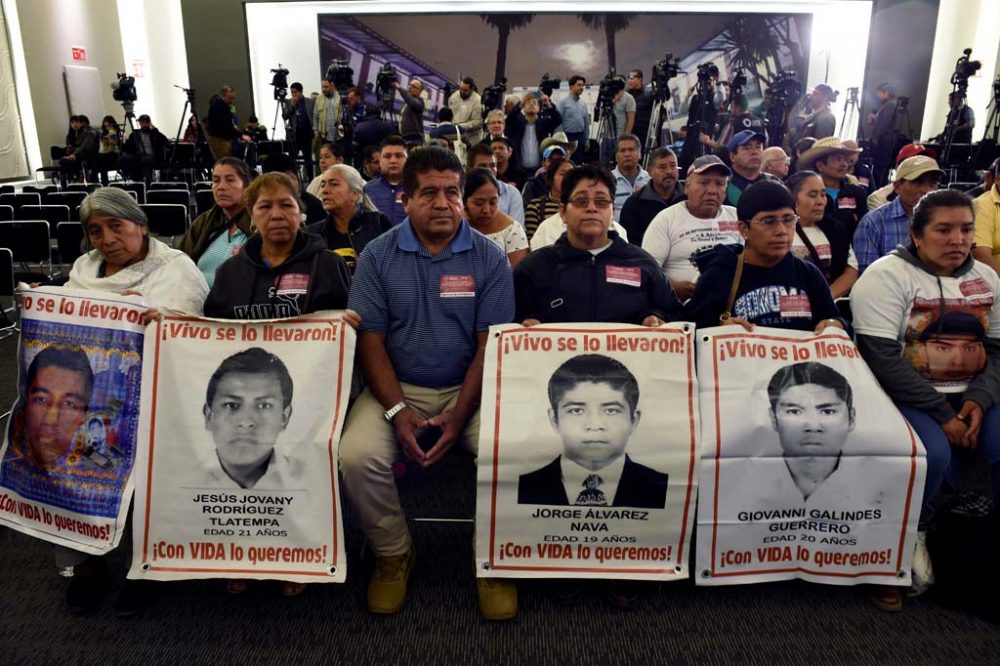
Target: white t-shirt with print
822,245
943,341
675,234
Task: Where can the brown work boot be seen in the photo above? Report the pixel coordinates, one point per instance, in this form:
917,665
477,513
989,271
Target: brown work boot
387,587
497,598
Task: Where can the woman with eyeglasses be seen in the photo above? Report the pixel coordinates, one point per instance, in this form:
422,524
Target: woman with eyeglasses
590,274
820,239
763,283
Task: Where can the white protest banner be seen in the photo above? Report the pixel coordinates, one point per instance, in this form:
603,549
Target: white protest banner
809,471
588,452
66,470
238,440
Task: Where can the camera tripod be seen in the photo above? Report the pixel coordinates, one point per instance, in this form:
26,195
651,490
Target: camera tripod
607,133
128,122
200,142
851,110
659,118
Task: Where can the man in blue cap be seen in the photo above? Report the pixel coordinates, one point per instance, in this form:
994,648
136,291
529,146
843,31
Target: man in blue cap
746,150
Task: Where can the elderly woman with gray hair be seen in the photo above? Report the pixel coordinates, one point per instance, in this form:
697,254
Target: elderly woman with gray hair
125,258
352,219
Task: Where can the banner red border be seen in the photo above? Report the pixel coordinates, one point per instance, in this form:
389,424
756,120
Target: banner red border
718,455
334,481
693,451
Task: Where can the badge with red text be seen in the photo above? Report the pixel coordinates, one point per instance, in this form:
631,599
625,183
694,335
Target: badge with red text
458,286
795,305
627,275
976,287
292,283
729,226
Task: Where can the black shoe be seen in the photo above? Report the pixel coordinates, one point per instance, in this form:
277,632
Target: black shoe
134,596
87,587
624,593
565,592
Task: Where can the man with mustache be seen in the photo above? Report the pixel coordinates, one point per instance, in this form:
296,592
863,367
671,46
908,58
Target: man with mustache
662,191
681,231
747,151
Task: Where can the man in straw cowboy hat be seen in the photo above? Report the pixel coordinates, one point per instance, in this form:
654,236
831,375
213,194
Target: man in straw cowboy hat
846,201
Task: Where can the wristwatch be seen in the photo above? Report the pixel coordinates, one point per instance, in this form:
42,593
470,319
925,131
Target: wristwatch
395,409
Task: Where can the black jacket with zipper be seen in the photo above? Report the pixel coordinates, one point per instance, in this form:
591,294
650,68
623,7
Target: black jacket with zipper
311,279
622,284
363,228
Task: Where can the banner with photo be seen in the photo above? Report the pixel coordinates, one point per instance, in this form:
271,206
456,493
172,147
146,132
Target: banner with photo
588,452
66,463
238,441
809,471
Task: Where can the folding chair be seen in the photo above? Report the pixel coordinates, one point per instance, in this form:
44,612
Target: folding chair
139,189
52,171
8,313
71,199
179,158
6,213
40,189
169,185
51,213
30,243
178,197
167,219
265,148
82,187
9,189
15,201
204,200
202,185
69,241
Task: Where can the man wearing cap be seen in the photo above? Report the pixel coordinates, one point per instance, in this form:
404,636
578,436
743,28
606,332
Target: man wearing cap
746,149
987,239
662,191
528,125
741,120
575,116
774,287
552,147
467,110
886,193
774,161
700,223
511,204
845,201
629,176
821,122
882,229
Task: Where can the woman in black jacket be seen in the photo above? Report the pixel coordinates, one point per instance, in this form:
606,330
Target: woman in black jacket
820,239
352,219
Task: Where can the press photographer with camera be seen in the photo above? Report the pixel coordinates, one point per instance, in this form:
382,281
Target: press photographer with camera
143,151
411,118
299,127
820,123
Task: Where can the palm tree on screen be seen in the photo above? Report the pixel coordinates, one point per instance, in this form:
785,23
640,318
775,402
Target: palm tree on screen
611,24
504,24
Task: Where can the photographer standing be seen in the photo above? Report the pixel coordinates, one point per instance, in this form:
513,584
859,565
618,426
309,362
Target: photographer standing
411,118
467,108
821,122
299,127
960,121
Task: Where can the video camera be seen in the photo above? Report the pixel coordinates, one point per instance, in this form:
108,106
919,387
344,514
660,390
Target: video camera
547,85
123,90
659,78
964,68
279,81
736,85
385,87
340,74
786,88
493,96
610,86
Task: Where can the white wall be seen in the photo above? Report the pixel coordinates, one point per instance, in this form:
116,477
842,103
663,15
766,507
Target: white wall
963,24
13,158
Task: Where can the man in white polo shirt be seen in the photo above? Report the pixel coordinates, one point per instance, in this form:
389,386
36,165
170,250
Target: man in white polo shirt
699,223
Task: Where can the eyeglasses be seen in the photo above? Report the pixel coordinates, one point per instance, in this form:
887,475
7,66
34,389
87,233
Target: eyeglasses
771,223
583,201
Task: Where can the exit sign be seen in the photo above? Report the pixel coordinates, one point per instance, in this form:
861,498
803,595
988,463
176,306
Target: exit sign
79,54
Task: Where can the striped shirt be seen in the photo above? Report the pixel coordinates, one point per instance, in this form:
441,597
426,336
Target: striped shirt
879,232
430,307
219,251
